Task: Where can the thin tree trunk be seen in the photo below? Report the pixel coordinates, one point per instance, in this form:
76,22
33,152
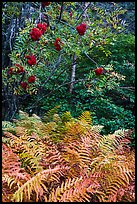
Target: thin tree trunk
73,73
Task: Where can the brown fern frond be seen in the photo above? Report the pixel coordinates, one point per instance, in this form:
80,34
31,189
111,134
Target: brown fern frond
12,173
74,190
11,164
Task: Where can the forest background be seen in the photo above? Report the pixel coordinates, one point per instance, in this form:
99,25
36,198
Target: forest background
67,77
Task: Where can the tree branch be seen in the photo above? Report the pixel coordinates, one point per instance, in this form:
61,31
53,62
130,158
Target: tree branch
129,88
61,12
54,68
91,59
74,82
83,11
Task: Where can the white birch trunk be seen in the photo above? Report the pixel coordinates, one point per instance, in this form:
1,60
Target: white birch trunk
73,73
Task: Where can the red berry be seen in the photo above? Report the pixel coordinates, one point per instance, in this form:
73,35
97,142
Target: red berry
99,71
11,70
31,59
42,27
20,69
31,79
58,48
81,28
45,4
57,44
70,14
24,85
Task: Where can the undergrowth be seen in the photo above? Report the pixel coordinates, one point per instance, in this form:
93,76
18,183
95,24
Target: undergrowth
63,159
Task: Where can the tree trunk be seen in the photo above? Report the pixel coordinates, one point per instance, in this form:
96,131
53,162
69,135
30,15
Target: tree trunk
73,72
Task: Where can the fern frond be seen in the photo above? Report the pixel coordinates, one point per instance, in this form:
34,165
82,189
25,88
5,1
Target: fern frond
7,124
85,117
75,190
49,115
97,128
107,143
12,174
66,160
66,117
67,192
11,164
35,185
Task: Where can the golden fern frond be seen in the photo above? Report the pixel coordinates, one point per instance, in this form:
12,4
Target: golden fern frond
66,117
30,149
56,118
49,115
74,130
96,163
107,143
35,186
83,149
120,167
85,117
77,155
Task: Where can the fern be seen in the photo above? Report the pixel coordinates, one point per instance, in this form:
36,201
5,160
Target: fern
85,117
66,117
35,184
49,115
73,190
97,128
12,173
65,160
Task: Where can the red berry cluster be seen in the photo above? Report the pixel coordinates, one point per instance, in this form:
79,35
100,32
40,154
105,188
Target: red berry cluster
81,28
42,27
57,44
45,4
99,71
17,70
36,33
20,68
31,59
25,85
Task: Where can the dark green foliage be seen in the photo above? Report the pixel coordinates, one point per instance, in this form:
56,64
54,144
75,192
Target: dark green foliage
112,107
